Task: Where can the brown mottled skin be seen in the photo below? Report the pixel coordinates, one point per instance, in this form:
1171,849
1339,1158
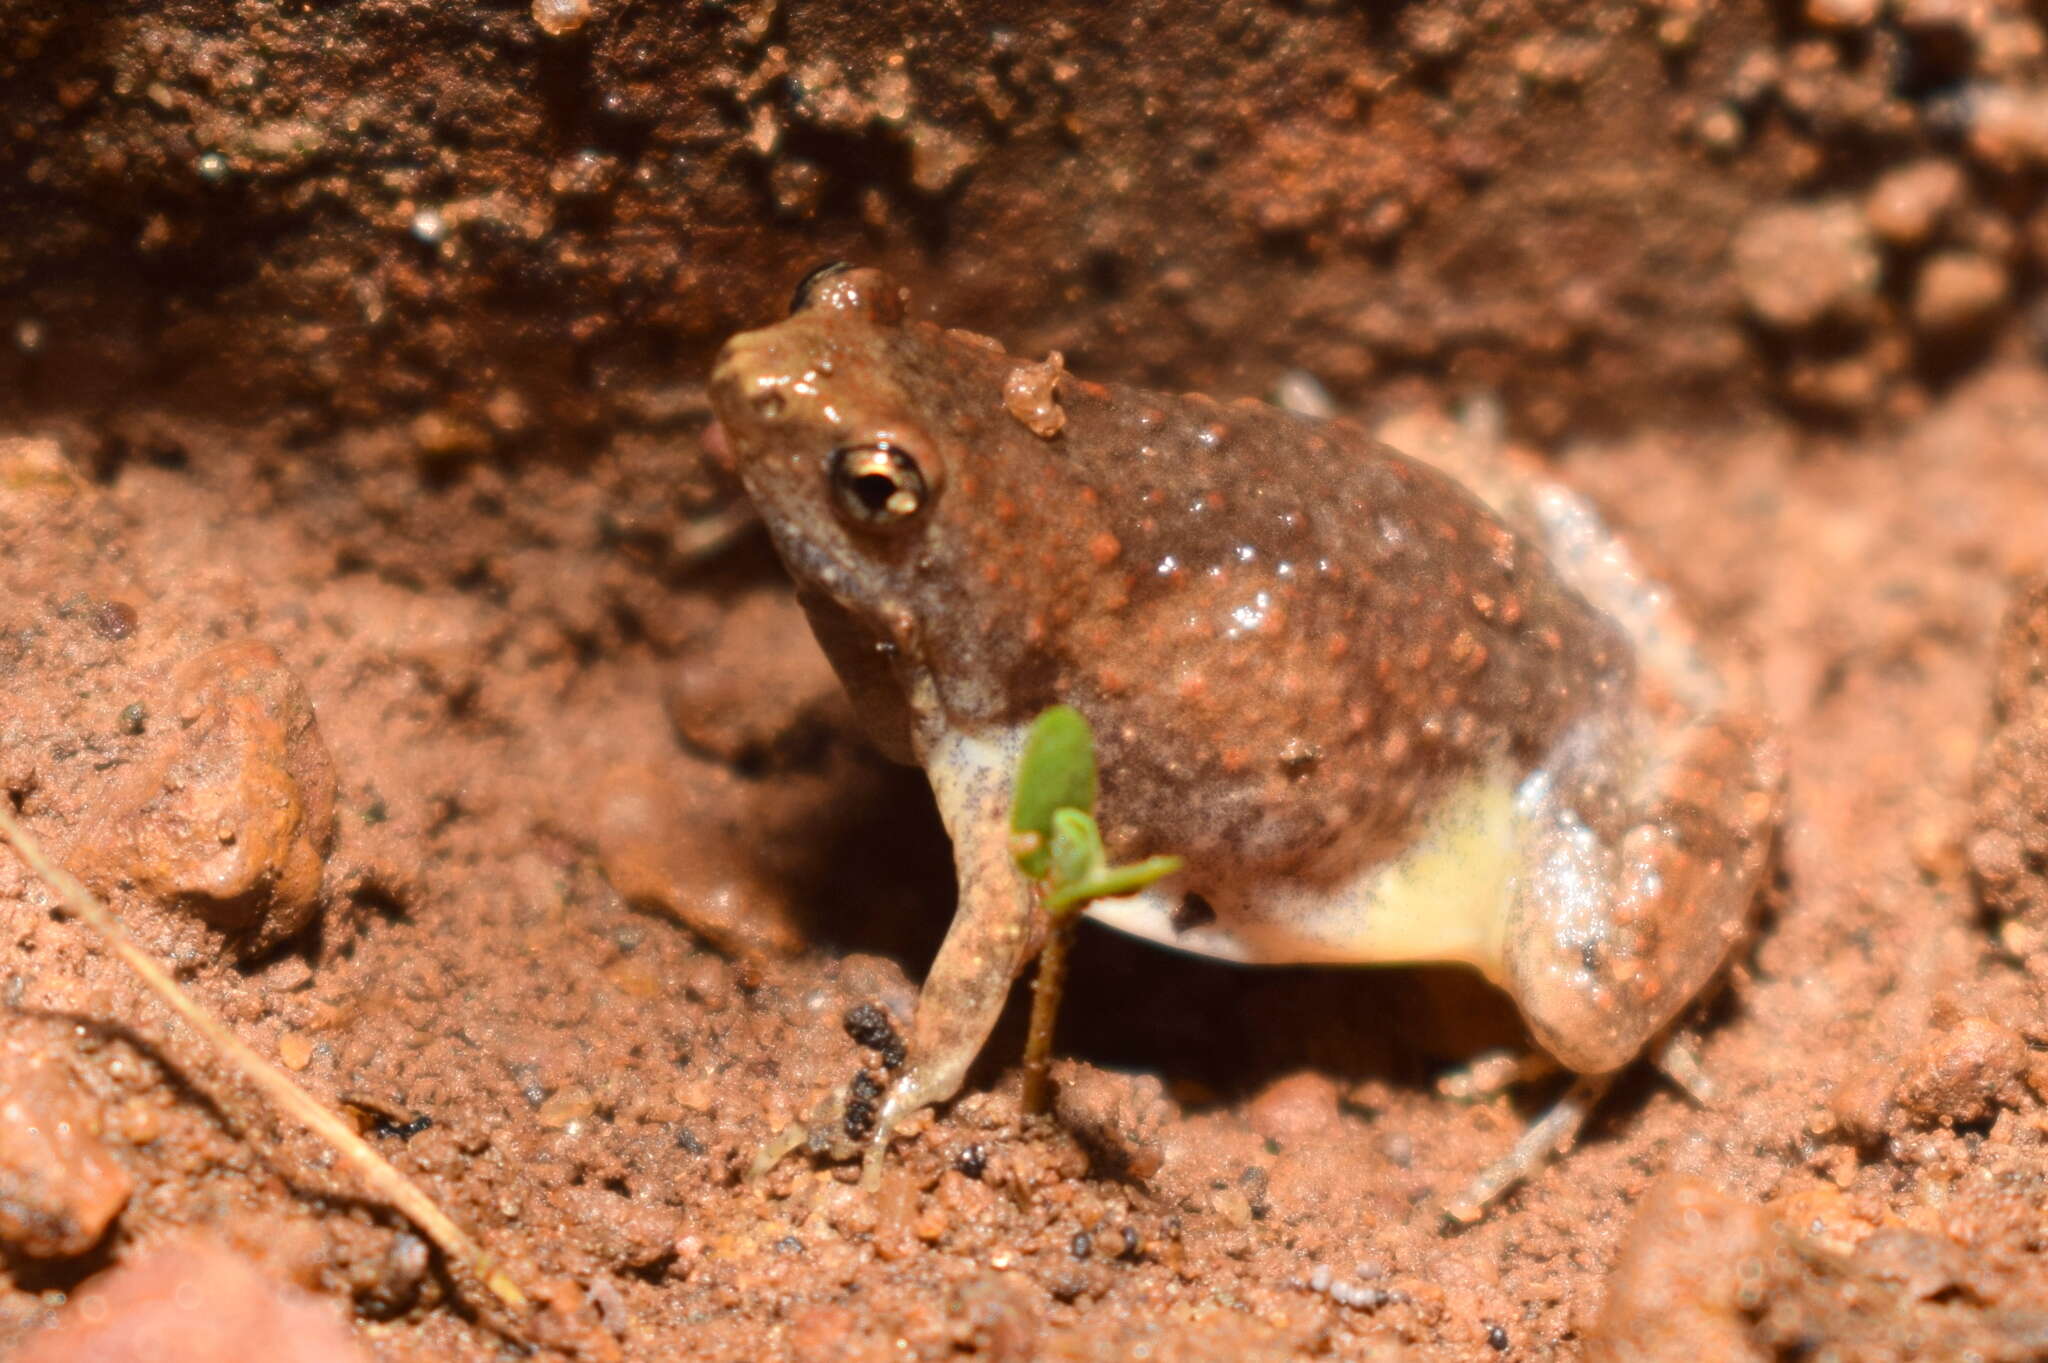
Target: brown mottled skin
1293,643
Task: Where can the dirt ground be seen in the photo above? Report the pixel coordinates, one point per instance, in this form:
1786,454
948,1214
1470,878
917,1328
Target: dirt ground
378,635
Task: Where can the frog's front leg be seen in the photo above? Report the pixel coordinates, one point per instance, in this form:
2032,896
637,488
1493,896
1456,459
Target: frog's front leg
996,929
994,934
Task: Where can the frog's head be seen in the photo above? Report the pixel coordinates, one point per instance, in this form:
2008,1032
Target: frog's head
845,423
826,440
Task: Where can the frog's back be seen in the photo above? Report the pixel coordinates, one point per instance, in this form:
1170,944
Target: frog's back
1317,639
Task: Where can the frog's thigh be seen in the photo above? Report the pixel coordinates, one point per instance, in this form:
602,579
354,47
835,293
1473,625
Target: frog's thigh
1608,942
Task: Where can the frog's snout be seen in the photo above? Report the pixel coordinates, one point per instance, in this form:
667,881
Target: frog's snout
732,357
746,381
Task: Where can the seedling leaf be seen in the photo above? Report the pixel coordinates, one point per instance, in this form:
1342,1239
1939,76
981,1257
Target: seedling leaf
1076,848
1056,771
1111,882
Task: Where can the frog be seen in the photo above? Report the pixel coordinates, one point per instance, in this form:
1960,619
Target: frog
1386,708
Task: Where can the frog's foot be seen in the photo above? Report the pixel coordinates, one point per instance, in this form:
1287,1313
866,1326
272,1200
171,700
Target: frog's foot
859,1117
915,1089
826,1131
776,1149
1547,1137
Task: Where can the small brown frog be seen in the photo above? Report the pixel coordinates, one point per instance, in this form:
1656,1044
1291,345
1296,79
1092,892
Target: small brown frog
1386,709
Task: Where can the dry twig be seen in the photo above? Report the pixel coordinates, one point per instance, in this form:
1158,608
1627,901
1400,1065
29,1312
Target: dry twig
382,1179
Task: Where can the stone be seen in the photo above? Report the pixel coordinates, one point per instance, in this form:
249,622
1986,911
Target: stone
192,1302
60,1186
1690,1263
232,811
1801,264
1959,293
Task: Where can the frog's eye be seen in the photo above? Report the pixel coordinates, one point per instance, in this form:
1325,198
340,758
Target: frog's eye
877,486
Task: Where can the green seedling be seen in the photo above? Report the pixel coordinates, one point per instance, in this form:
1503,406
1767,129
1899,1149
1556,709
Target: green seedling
1056,843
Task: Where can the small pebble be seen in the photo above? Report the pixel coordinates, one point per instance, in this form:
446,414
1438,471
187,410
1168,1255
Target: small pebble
1676,1290
1927,16
1303,394
2009,127
870,1025
1358,1296
1435,32
1959,292
192,1302
1840,14
1800,264
113,620
1399,1148
1720,128
1233,1206
571,1104
863,1097
1298,1107
1907,205
60,1187
1031,396
295,1049
1964,1075
231,810
430,225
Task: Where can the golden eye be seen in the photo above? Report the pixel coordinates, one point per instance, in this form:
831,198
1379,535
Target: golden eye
877,486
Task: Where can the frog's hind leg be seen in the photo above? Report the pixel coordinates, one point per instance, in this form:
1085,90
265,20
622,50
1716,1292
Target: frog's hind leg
1626,909
1612,939
1646,833
1626,912
1547,1137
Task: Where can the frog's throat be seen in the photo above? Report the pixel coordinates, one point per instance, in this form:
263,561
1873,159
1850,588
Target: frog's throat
873,672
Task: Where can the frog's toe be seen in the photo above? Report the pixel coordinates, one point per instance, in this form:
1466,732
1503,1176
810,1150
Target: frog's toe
1495,1072
917,1089
872,1161
834,1128
777,1148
